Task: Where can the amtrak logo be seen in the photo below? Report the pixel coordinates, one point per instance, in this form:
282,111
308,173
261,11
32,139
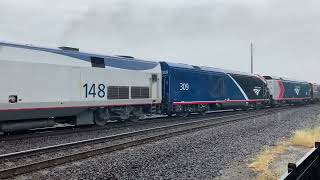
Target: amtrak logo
257,90
297,90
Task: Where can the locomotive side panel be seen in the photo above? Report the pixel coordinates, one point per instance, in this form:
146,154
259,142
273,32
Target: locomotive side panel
97,86
188,88
42,82
37,87
288,91
189,85
275,89
296,90
316,92
193,86
39,82
254,87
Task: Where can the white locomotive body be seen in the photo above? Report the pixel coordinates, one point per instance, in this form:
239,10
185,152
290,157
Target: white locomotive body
45,84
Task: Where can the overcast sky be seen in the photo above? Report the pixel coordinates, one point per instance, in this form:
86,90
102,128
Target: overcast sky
214,33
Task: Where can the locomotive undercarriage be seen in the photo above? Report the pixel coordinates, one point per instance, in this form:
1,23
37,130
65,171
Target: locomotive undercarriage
122,113
101,116
185,110
94,116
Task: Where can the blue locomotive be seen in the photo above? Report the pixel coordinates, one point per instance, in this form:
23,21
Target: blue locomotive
187,89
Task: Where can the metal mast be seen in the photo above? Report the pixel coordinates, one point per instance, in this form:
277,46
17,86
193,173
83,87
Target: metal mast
251,51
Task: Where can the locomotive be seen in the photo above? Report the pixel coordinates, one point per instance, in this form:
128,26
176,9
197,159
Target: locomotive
44,86
284,91
187,89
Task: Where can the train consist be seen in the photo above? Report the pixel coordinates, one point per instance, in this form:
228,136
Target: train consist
44,86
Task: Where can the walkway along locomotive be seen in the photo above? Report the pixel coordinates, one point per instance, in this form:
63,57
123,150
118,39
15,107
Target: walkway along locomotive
44,86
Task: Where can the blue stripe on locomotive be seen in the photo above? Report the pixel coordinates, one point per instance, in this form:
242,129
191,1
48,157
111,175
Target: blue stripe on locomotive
111,61
296,89
188,83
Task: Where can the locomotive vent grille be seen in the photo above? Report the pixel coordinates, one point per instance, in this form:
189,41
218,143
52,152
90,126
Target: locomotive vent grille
118,92
140,92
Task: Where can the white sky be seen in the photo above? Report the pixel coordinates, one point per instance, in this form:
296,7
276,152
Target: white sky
214,33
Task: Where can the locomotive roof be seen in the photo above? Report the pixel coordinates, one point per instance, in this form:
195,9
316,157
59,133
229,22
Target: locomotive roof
228,71
284,79
193,67
179,65
206,68
75,53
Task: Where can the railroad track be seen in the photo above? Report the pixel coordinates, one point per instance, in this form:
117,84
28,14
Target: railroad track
72,129
74,151
57,131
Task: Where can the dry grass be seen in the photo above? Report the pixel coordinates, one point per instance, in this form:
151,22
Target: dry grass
264,159
268,175
306,137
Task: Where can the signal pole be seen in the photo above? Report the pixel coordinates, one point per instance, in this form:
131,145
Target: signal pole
251,50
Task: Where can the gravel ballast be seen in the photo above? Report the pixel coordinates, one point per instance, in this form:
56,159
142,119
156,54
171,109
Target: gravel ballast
204,154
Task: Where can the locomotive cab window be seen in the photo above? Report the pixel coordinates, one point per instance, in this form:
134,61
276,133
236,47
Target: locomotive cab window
97,62
154,78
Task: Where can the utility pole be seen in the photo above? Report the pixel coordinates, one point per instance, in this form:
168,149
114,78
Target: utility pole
251,51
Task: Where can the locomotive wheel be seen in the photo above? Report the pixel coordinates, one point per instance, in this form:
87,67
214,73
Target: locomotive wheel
124,114
184,114
245,108
272,104
169,113
203,109
99,121
203,113
257,106
101,116
137,112
134,119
